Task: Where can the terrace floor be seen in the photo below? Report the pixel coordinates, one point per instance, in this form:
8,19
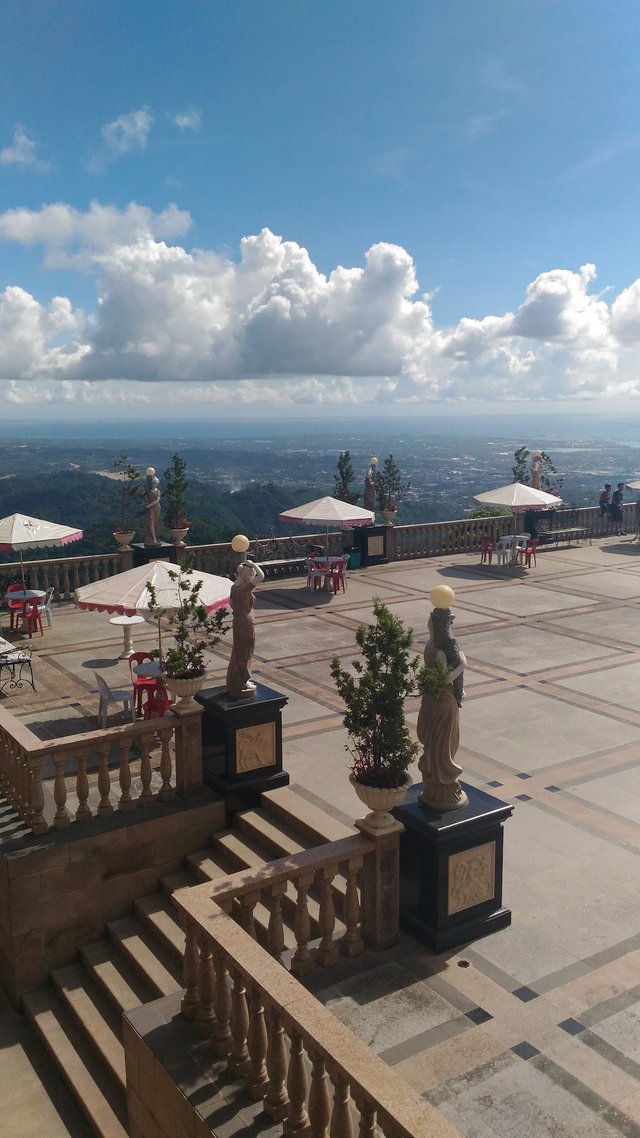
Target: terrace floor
535,1029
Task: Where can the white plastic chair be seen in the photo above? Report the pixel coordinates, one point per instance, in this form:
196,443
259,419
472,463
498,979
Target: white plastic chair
503,550
316,572
108,696
45,607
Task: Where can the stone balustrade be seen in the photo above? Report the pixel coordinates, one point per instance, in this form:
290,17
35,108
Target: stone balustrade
65,574
27,764
309,1070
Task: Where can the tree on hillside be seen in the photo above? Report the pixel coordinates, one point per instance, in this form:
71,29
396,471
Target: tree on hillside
343,480
550,481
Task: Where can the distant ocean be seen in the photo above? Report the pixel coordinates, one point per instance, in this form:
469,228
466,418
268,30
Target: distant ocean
526,426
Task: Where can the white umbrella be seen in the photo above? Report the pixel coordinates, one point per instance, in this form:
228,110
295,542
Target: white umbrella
633,486
328,512
518,497
128,593
21,532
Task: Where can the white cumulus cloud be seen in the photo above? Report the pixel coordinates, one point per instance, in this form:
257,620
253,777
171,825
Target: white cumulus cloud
22,152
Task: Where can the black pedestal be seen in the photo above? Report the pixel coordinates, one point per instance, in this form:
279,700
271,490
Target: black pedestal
163,551
451,869
371,542
242,744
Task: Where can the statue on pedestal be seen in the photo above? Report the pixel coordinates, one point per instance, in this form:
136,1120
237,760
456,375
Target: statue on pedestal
370,486
151,507
242,601
438,720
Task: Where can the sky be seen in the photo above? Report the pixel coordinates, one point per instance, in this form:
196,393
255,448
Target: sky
245,209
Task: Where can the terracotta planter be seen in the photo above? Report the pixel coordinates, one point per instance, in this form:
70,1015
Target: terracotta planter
380,800
388,516
184,689
178,535
124,540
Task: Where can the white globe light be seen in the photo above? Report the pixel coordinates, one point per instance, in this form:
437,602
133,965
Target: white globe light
442,597
150,471
240,543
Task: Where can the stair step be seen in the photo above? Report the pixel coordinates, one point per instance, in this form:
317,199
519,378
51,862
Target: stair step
265,833
122,985
309,820
212,863
154,963
181,879
159,915
94,1017
103,1106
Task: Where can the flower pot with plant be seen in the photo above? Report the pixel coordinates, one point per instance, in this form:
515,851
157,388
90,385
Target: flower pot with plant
390,489
195,631
380,744
129,490
175,500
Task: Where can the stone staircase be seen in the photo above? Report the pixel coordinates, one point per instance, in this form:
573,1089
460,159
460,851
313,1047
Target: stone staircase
78,1014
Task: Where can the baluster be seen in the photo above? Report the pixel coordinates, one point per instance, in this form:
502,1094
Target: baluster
222,1038
319,1099
65,578
341,1124
146,797
190,1001
76,575
367,1128
352,943
326,952
302,962
46,584
124,776
275,931
239,1055
84,812
105,809
61,818
166,792
276,1103
248,902
205,1015
257,1077
297,1119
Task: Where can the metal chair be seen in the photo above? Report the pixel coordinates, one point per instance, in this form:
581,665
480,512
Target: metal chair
107,696
45,607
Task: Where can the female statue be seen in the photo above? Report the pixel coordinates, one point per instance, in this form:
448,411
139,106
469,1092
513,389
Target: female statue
151,507
438,719
370,486
244,633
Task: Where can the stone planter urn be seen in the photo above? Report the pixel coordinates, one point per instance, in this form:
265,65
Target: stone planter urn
380,799
184,689
178,535
124,540
388,516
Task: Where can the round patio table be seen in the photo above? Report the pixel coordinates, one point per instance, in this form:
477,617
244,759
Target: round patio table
127,623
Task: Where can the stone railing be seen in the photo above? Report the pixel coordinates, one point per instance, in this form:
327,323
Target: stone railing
27,764
64,574
312,1073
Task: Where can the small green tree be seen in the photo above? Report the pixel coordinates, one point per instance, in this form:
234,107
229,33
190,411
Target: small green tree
129,479
550,480
380,744
343,480
390,489
175,494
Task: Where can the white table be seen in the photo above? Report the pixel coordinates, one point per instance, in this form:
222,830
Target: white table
151,669
504,546
25,595
127,623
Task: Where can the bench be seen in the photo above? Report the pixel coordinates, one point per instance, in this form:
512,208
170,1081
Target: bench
569,534
278,558
15,666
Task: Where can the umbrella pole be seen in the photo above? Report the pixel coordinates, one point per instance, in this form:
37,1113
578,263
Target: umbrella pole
22,572
160,641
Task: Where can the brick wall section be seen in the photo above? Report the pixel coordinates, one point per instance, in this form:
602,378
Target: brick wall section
59,890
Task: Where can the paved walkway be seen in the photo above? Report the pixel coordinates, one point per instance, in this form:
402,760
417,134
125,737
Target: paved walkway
535,1029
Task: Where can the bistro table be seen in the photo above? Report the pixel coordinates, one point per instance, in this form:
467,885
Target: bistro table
126,623
152,669
25,595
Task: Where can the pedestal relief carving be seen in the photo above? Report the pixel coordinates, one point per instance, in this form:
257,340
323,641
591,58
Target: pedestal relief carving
255,747
471,877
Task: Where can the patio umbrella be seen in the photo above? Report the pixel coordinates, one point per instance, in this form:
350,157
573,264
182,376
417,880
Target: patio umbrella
21,532
519,498
328,512
128,593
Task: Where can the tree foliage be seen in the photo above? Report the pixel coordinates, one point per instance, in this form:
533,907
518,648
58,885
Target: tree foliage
390,489
550,481
343,480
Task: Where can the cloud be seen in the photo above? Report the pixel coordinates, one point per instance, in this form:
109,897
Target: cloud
23,151
190,119
268,326
124,135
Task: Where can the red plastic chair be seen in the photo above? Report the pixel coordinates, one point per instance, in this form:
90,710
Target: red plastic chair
157,703
529,552
32,617
487,550
16,608
336,574
140,683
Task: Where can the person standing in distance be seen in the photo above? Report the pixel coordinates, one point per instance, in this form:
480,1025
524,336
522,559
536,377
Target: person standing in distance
615,509
604,500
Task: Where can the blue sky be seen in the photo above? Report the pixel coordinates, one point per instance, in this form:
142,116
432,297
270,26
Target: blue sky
241,207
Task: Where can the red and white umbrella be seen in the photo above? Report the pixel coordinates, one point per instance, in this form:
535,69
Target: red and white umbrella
19,532
518,497
328,512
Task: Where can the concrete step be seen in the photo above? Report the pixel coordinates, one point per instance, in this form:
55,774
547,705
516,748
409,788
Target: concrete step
179,880
152,961
94,1016
161,918
120,983
306,819
99,1099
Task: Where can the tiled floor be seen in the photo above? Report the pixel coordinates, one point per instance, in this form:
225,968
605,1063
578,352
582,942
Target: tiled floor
536,1029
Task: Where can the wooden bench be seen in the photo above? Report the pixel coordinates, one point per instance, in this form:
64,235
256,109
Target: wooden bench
15,666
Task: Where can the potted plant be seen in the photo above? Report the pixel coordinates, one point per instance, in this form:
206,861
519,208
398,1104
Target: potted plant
380,744
194,630
175,500
390,489
128,477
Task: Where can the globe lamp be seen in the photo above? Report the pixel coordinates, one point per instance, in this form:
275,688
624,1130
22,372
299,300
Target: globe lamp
442,597
240,543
